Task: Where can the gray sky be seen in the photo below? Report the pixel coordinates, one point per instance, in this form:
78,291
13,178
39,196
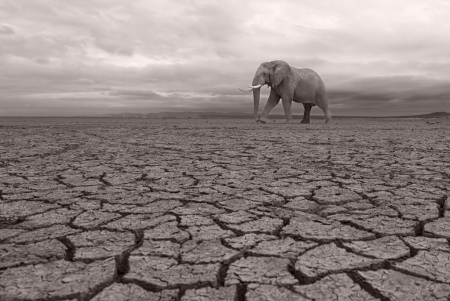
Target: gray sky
88,57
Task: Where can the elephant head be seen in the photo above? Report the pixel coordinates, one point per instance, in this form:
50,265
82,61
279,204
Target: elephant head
268,73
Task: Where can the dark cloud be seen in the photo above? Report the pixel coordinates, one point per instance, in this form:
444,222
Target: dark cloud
390,88
390,95
6,30
137,94
84,81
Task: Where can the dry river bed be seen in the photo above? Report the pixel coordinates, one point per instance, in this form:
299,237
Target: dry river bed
135,209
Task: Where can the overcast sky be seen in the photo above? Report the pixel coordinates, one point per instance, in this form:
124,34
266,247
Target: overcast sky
88,57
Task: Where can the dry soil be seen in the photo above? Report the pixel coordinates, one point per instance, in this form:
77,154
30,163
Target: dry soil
139,209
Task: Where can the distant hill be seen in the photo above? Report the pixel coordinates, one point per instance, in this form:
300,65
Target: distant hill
180,115
217,115
432,115
198,115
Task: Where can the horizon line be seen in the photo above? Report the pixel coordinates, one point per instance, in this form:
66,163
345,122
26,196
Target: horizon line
224,115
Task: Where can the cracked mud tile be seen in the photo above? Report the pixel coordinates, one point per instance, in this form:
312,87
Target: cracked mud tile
359,205
248,240
207,193
236,217
383,225
326,210
49,218
266,292
431,264
125,209
398,286
100,244
263,270
373,212
123,178
167,231
209,251
41,252
209,232
93,218
163,248
125,292
226,190
198,209
262,225
419,212
438,228
172,185
238,204
77,180
324,230
211,294
338,287
446,206
290,191
139,221
43,234
195,220
56,279
302,204
427,243
165,273
17,209
329,258
45,184
157,207
285,248
115,195
410,191
285,213
261,197
12,195
333,195
7,233
388,247
88,189
81,204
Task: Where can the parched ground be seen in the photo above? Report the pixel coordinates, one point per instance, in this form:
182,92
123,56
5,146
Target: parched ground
132,209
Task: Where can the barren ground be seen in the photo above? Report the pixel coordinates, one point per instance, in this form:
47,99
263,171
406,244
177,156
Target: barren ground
132,209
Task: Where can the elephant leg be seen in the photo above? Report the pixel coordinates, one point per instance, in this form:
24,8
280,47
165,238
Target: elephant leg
327,116
287,106
327,113
307,107
272,101
323,104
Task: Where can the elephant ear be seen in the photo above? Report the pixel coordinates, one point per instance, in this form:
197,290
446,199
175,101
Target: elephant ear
281,70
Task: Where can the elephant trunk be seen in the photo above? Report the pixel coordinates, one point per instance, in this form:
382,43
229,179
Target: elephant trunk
256,94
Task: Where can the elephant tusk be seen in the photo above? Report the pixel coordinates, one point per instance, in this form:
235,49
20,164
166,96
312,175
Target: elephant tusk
255,87
245,90
251,88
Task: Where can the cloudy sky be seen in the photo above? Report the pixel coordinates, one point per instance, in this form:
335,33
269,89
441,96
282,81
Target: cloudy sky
88,57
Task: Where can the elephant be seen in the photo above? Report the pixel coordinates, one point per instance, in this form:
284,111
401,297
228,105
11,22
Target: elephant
290,84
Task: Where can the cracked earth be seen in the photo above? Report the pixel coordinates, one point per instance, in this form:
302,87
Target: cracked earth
123,209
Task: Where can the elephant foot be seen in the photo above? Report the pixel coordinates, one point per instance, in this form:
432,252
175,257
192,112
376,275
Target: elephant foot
262,119
304,121
288,121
